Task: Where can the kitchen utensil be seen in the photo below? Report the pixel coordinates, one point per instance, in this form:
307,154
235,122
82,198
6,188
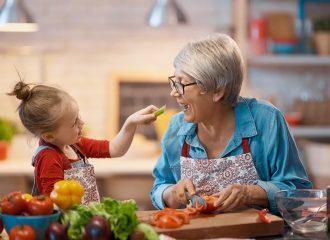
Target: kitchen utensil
195,199
310,216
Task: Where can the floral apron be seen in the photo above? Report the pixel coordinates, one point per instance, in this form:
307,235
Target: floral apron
81,170
210,176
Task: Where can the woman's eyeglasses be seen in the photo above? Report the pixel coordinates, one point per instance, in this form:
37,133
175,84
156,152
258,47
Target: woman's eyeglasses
177,86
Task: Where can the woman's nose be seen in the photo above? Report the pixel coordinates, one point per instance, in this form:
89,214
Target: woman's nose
174,93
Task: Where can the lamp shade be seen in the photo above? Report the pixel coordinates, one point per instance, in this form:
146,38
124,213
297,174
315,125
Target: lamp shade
14,17
166,12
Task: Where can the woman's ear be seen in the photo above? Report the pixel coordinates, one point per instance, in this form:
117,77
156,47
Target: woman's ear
218,95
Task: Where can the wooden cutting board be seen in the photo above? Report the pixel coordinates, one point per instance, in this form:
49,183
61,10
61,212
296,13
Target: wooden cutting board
240,224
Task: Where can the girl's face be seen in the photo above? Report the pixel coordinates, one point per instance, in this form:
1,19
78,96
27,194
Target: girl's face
196,105
70,126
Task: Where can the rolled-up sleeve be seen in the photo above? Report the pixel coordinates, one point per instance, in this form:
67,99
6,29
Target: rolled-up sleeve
163,179
286,171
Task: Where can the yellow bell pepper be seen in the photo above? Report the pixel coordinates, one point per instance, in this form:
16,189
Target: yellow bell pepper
66,193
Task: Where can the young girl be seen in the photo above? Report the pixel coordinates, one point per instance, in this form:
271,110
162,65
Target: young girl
52,115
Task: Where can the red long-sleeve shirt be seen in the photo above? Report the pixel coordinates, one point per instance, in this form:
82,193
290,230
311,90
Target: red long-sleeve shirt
51,163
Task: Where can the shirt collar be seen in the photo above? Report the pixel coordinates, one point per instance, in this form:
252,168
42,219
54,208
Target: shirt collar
244,121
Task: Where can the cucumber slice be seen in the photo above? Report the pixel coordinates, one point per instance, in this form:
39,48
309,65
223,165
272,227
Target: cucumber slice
160,111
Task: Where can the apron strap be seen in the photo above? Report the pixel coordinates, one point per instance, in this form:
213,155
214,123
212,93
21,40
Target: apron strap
245,145
185,150
79,152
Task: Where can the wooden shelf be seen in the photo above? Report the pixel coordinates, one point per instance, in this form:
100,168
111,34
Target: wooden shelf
311,131
289,60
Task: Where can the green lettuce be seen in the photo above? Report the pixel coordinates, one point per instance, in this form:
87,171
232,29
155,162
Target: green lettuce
120,215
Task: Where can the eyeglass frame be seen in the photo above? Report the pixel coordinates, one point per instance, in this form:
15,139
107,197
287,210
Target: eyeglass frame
172,82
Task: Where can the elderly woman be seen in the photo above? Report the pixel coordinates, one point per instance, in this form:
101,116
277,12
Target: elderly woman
237,149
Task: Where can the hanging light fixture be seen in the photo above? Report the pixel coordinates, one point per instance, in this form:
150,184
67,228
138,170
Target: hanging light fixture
14,17
166,12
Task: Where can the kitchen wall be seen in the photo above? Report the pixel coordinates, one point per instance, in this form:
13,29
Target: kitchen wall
82,43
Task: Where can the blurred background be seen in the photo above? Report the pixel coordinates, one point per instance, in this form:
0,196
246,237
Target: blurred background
114,57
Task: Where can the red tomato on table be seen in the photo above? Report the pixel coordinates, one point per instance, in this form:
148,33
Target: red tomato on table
13,204
24,232
40,205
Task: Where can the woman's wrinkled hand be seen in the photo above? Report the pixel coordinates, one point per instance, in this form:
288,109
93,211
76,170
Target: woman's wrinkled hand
232,197
143,116
175,195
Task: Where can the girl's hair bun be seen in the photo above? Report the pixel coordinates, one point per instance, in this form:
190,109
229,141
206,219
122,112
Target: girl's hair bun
22,91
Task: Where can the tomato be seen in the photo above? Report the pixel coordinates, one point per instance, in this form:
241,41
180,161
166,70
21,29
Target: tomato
210,200
13,204
191,212
263,216
24,232
169,221
40,205
1,225
169,218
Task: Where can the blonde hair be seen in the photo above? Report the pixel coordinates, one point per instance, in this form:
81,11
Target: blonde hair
41,106
215,63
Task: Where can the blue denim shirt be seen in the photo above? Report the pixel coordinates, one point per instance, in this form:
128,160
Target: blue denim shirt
273,149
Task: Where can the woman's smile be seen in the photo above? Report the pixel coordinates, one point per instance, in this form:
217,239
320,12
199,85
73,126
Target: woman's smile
184,107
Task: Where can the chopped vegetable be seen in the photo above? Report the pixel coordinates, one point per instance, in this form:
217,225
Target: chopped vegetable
169,218
263,216
160,111
66,193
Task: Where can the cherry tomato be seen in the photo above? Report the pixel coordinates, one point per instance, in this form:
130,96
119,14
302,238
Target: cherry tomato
40,205
13,204
24,232
263,216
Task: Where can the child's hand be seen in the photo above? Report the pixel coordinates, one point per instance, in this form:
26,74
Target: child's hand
144,116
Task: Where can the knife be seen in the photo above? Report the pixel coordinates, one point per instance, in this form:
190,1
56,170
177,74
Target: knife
195,199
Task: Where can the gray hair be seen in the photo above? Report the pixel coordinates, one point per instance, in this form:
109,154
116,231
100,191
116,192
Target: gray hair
215,63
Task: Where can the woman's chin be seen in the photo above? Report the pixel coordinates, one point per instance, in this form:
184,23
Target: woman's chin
188,117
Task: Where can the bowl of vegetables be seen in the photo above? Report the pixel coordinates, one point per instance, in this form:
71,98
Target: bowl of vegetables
30,216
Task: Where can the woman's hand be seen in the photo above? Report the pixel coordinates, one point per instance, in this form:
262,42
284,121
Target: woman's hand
143,116
175,196
232,197
236,196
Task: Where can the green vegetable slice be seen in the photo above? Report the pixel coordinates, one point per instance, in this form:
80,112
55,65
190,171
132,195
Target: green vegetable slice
160,111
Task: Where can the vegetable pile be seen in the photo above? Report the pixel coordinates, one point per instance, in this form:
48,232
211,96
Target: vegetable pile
108,218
